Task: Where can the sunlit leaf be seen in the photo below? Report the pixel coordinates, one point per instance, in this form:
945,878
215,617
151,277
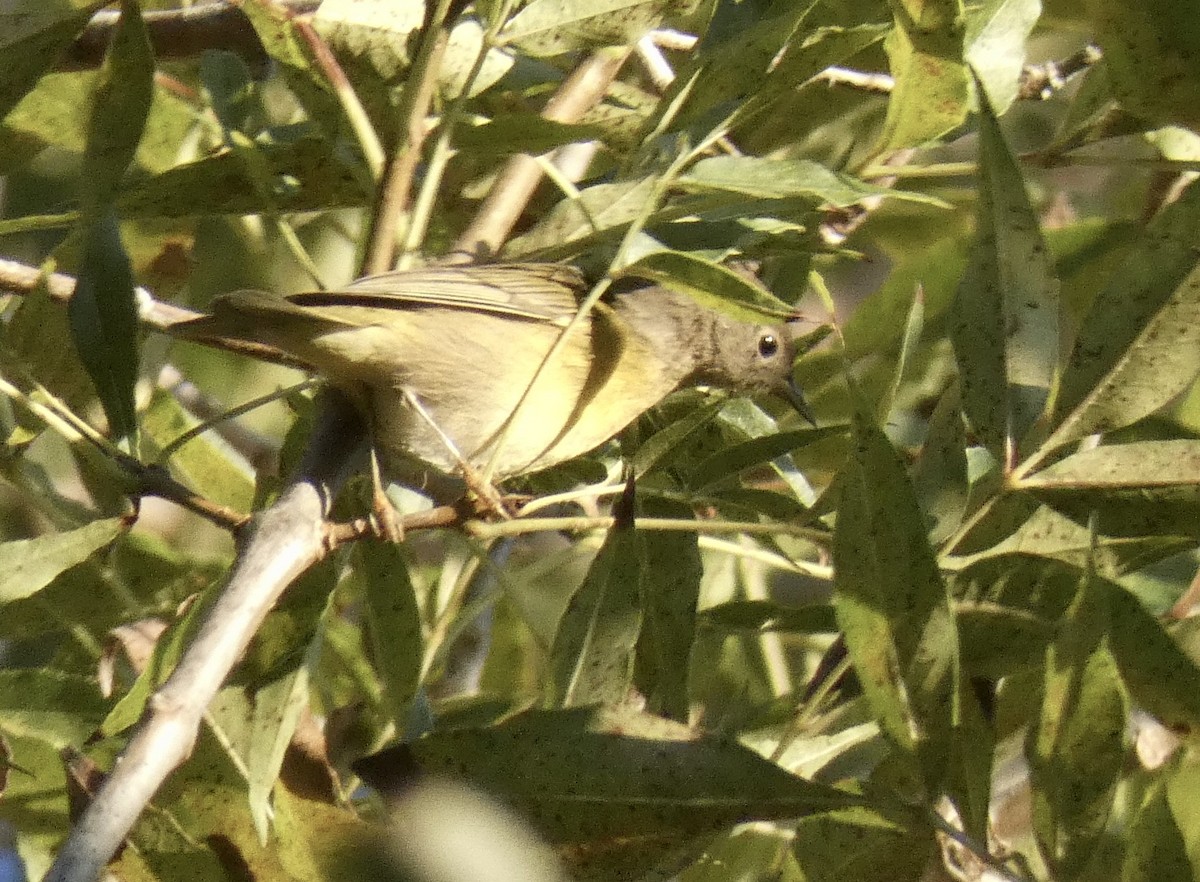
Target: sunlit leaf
1077,748
925,50
1005,319
894,609
29,565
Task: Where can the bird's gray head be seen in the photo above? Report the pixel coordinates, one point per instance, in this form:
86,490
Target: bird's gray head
715,349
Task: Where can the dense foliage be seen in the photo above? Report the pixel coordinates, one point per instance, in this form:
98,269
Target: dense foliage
944,632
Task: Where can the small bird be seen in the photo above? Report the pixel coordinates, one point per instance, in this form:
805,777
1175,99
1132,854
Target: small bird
438,359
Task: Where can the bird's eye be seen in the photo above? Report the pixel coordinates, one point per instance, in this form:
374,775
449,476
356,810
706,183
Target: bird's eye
768,345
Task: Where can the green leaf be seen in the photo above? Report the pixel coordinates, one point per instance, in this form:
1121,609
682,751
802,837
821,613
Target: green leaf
591,660
664,443
997,31
104,322
969,783
1159,675
618,792
1004,321
894,609
789,178
999,640
731,65
277,707
120,107
737,457
1143,488
31,37
29,565
204,463
382,34
168,649
1157,849
602,209
552,27
711,285
1077,748
393,624
764,615
278,31
670,583
940,473
867,844
1048,534
1138,347
800,60
925,50
914,326
50,706
522,133
1152,51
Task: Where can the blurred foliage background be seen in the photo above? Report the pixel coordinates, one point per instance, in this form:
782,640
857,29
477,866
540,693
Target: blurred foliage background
944,634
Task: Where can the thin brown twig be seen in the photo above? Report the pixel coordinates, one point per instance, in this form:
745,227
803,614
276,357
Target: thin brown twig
1041,81
395,194
356,114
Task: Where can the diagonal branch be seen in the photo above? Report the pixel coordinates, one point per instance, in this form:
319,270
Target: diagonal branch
519,177
282,542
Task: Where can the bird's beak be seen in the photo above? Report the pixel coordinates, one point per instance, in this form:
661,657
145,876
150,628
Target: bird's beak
791,391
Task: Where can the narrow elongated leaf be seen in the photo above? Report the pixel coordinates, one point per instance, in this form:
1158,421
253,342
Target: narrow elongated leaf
732,64
1157,849
119,109
1160,676
670,583
611,788
864,844
604,207
29,565
1005,317
104,322
552,27
383,34
277,30
894,608
1077,748
1152,50
204,463
31,37
591,661
995,45
1145,488
805,55
913,329
1050,534
736,458
664,443
1157,364
393,623
276,711
940,474
1137,292
969,783
522,133
999,640
925,51
765,615
710,284
787,178
53,707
